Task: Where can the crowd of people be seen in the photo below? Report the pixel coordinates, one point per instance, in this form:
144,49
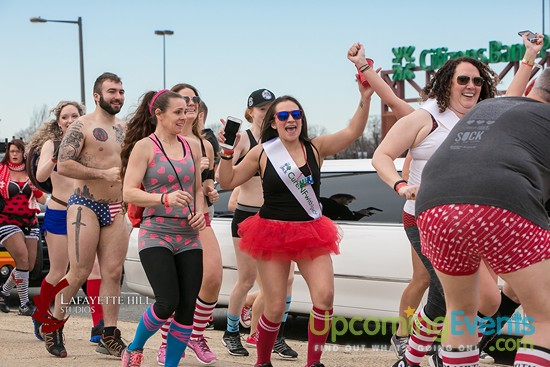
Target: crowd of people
475,210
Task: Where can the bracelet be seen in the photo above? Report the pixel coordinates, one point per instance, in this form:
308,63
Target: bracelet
399,183
527,62
53,160
226,157
364,68
162,198
166,201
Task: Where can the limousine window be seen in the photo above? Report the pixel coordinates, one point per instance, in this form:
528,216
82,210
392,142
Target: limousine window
369,192
367,188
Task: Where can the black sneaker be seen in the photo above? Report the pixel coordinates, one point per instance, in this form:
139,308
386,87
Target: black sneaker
97,331
232,341
399,344
4,302
210,323
27,309
435,360
317,364
111,345
265,365
283,349
55,343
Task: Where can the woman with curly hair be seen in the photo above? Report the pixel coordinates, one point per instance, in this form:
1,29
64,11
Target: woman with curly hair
453,91
45,141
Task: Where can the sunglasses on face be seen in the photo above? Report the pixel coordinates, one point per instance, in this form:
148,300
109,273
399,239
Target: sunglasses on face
195,99
284,115
463,80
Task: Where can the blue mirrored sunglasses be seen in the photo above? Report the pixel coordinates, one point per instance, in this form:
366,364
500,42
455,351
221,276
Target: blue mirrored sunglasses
284,115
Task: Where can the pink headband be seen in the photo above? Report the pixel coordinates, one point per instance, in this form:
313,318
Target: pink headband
154,99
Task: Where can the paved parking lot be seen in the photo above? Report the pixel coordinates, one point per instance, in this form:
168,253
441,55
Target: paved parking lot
21,348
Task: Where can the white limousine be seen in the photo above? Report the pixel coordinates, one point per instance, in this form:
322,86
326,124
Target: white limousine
374,265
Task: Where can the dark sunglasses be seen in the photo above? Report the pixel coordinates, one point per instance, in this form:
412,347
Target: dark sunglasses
284,115
195,99
463,80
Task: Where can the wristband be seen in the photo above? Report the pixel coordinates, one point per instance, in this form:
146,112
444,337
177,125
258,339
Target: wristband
166,201
226,157
228,151
398,184
364,68
527,62
53,160
162,199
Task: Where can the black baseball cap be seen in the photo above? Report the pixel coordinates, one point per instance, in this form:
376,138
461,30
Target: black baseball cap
260,97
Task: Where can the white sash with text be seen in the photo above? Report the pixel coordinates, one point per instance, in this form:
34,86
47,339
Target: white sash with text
290,174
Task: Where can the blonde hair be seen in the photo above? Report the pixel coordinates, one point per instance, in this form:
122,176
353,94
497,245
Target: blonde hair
50,130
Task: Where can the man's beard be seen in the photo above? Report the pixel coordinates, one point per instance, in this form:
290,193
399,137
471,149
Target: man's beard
108,108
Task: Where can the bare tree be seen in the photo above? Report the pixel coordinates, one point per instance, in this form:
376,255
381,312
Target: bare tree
316,130
366,144
39,115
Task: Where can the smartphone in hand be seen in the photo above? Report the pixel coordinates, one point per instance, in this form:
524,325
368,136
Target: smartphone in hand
231,129
532,37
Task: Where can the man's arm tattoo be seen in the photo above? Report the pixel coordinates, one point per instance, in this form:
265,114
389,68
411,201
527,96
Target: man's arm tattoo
70,145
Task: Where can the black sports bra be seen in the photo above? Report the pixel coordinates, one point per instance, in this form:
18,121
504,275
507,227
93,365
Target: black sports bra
253,143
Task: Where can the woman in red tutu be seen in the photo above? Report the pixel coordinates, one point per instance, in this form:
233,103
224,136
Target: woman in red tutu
289,225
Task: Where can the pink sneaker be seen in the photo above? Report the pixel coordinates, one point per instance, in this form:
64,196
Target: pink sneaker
161,355
202,351
252,340
246,316
132,358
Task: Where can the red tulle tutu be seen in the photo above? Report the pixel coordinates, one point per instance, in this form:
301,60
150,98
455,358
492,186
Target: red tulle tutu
276,240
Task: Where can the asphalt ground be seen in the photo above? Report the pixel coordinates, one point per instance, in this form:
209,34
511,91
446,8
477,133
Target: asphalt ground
19,347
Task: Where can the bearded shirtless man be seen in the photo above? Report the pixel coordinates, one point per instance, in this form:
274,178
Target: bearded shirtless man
90,153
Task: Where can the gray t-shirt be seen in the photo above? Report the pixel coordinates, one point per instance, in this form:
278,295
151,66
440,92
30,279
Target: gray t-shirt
498,155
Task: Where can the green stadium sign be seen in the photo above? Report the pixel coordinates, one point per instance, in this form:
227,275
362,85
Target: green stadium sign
433,58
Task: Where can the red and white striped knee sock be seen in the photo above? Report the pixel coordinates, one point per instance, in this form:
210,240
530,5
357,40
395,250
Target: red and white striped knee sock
22,284
267,333
424,333
317,333
9,284
203,311
164,329
532,356
460,357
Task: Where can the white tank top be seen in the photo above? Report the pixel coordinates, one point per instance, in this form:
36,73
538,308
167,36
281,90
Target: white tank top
445,120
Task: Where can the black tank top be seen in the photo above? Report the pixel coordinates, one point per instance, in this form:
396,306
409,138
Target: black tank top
253,143
279,203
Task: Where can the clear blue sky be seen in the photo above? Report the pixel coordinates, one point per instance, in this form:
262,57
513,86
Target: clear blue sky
229,48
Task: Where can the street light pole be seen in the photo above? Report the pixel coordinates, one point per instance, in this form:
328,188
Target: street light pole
164,34
81,49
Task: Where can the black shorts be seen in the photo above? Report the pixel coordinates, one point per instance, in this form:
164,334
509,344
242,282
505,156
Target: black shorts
242,212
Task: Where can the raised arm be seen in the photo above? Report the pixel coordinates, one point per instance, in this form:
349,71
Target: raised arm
333,143
518,84
386,94
230,176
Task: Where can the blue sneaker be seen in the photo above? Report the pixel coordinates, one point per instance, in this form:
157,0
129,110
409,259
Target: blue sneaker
97,330
37,329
